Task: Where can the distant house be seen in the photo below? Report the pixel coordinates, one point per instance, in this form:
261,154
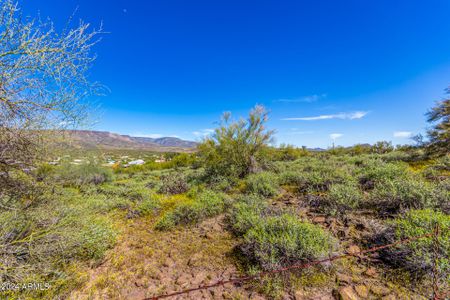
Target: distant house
136,162
77,162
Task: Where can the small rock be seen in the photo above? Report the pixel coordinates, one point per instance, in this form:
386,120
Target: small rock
168,263
299,295
318,219
371,272
343,279
347,293
353,249
183,280
199,278
379,290
256,296
362,291
208,235
389,297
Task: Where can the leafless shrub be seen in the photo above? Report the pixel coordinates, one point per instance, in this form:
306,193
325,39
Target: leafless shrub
43,85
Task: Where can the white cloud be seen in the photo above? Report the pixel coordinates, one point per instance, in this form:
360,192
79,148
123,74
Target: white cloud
306,99
295,131
334,136
402,134
343,116
203,132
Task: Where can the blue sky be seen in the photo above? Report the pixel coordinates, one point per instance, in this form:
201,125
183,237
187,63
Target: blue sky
356,71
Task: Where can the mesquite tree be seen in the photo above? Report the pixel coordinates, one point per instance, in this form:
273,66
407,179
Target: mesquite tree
43,85
439,133
235,149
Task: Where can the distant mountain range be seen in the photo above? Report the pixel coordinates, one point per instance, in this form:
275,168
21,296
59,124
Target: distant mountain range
90,139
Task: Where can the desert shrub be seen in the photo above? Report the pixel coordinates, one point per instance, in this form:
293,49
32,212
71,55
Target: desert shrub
341,198
206,204
291,178
236,148
174,183
148,206
321,181
375,171
313,174
103,203
91,240
395,195
221,183
282,240
439,170
264,184
43,171
39,241
77,175
245,213
417,256
396,156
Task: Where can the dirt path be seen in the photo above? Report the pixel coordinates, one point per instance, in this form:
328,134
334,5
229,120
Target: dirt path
145,263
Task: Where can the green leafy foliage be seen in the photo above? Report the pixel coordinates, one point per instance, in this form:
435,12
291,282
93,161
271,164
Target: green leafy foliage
245,213
206,204
264,184
235,149
174,183
393,195
77,175
278,241
439,134
342,198
418,256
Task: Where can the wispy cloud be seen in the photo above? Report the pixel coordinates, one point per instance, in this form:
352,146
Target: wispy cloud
203,132
334,136
343,116
295,131
305,99
403,134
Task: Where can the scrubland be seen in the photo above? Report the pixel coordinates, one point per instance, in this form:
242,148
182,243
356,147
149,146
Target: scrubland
97,232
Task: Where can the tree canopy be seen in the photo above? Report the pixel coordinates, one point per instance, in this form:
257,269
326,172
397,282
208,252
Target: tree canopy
235,147
439,133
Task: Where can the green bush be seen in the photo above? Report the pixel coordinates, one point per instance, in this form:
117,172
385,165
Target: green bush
221,183
341,198
40,241
43,171
291,178
395,195
78,175
148,206
377,171
264,184
207,204
417,256
174,183
93,239
282,240
245,213
236,148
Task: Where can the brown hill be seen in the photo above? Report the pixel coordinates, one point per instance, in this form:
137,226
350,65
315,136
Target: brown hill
90,139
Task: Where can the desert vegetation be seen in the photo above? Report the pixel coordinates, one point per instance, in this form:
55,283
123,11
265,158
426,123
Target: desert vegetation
278,206
102,227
